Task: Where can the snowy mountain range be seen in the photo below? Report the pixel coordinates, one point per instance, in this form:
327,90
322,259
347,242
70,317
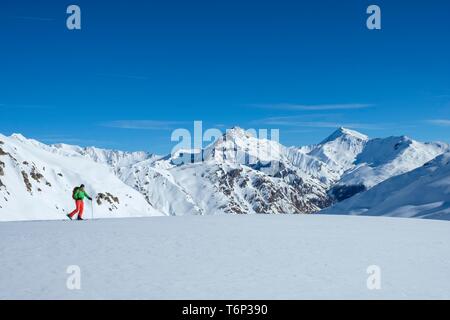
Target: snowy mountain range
346,173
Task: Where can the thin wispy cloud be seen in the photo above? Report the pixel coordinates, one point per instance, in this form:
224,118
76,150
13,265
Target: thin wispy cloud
339,124
316,107
24,106
311,123
442,96
440,122
34,18
299,118
122,76
143,124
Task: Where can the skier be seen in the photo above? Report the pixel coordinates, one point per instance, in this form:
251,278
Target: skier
78,195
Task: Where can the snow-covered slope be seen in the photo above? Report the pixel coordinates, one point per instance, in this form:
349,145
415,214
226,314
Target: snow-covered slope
113,158
36,182
382,159
422,193
227,257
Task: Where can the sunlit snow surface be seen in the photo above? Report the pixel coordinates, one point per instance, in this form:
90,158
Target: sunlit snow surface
227,257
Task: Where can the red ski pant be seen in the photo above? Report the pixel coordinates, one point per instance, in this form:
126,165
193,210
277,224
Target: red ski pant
79,209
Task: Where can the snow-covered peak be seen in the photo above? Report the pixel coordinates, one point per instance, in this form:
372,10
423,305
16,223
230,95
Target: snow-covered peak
378,151
423,192
242,146
340,149
382,159
345,133
237,132
401,153
117,158
113,158
18,136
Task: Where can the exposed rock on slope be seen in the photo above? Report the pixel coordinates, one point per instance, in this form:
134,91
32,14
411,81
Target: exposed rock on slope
37,182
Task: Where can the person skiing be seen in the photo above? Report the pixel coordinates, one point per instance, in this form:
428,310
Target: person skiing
78,195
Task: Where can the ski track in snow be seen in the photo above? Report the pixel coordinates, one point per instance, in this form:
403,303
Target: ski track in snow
226,257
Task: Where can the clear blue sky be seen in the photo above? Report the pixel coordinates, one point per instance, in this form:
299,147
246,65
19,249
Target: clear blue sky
138,69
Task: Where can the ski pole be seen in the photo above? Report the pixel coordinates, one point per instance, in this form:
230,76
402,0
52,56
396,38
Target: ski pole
92,209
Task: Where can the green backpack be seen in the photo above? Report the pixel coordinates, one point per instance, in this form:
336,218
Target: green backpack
75,190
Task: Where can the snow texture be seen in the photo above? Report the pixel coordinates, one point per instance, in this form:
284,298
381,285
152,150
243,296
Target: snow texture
227,257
